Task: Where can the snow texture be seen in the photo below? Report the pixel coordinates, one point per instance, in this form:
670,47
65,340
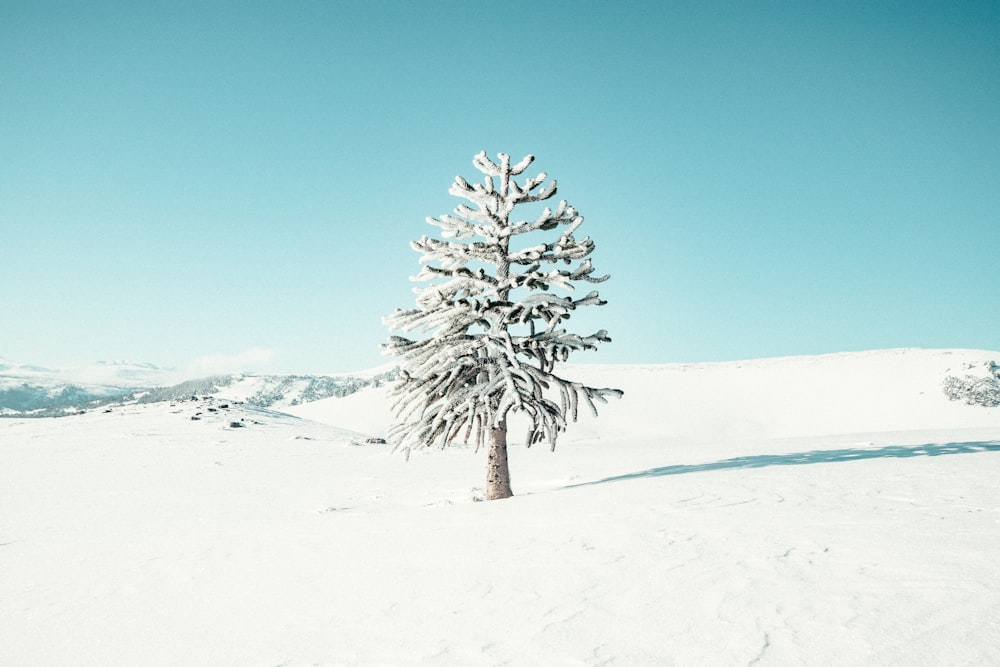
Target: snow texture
798,511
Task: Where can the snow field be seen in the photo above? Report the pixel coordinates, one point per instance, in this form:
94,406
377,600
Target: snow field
718,514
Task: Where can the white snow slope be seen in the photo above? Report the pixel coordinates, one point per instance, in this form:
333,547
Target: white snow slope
831,510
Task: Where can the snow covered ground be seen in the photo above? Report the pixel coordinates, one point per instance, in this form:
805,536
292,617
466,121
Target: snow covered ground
821,510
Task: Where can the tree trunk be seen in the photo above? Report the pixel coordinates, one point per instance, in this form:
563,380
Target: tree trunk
497,471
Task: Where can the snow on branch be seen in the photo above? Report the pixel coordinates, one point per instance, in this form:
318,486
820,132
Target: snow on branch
476,352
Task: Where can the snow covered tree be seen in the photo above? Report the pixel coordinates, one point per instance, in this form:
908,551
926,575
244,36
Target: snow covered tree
493,327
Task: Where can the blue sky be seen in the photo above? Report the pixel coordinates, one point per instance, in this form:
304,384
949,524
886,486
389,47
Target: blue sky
239,182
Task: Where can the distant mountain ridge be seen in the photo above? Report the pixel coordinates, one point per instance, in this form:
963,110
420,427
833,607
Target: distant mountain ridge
268,391
34,391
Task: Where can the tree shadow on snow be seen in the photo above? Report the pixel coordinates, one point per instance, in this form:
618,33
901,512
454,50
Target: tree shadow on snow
805,458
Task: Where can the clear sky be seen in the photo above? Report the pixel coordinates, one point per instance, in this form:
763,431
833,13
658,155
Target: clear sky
235,185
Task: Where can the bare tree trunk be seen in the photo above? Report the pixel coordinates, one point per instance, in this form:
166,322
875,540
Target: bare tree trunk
497,471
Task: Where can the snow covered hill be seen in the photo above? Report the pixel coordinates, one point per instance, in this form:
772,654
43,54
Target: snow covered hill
837,509
33,391
854,392
270,391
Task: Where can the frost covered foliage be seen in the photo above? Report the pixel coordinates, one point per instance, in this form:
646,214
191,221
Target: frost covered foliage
493,327
976,390
199,387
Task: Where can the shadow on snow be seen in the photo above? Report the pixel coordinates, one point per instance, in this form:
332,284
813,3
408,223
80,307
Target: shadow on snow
805,458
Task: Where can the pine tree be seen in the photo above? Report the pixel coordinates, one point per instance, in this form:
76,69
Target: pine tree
493,327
